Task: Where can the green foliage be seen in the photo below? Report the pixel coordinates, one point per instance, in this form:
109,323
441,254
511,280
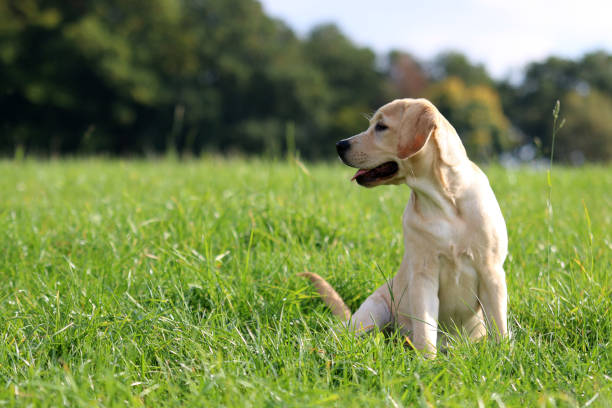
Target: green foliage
588,129
354,85
154,283
530,102
455,64
150,76
585,81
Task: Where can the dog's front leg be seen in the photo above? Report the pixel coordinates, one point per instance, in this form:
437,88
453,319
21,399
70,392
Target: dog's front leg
373,313
493,295
423,306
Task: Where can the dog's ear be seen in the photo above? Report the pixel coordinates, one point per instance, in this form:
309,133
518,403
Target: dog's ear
418,123
449,144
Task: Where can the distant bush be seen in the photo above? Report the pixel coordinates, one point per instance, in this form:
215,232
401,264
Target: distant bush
134,77
587,133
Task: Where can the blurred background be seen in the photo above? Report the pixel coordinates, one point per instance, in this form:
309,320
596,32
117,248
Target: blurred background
149,77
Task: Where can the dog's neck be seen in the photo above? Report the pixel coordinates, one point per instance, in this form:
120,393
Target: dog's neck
433,182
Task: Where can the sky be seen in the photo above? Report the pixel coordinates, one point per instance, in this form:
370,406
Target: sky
504,35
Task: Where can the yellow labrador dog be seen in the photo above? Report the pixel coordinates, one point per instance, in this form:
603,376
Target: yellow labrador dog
451,277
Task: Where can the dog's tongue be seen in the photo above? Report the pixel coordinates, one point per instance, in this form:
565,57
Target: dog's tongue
359,173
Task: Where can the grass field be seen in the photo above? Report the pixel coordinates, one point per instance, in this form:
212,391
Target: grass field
159,283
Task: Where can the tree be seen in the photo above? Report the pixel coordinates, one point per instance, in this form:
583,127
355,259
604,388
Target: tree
354,84
587,133
150,75
595,69
529,104
476,113
455,64
80,76
407,76
588,80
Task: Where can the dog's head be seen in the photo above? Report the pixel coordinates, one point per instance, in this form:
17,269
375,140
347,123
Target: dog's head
399,132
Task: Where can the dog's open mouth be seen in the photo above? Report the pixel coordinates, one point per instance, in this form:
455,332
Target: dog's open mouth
378,173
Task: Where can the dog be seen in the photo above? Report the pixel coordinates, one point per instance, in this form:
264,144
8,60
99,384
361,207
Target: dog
451,279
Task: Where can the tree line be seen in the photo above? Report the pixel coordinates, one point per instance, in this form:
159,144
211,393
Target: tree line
151,76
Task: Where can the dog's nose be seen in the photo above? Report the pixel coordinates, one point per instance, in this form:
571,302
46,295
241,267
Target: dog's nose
342,146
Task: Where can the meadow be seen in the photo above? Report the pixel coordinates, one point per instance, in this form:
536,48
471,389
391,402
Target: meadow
167,283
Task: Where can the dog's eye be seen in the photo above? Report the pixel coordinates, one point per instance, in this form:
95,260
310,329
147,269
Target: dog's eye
380,127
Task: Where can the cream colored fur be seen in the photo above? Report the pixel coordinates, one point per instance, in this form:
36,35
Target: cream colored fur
451,277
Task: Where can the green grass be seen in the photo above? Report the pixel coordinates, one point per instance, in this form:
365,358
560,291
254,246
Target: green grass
158,283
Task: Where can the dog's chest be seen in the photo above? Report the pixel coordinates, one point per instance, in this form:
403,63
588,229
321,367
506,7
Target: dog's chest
450,254
458,287
458,281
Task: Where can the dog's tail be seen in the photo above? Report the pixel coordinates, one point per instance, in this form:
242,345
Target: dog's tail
331,298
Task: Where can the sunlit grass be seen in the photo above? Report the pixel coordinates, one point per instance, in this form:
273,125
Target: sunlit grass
164,283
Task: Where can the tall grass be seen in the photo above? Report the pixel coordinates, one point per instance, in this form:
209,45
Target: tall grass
549,206
158,283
